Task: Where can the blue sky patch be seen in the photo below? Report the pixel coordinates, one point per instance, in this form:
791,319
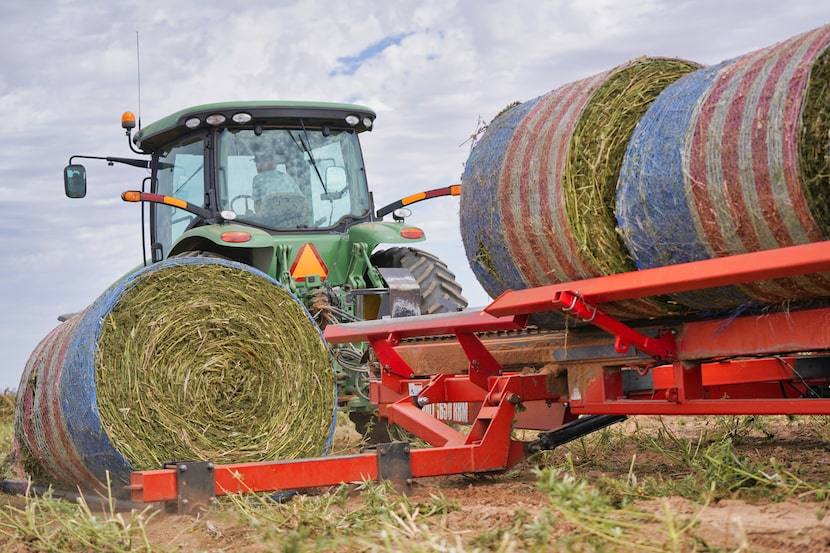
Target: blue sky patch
349,65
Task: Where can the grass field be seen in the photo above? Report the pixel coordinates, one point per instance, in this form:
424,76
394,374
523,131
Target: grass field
649,484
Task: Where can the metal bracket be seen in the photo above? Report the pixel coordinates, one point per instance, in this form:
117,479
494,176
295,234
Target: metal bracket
195,487
394,465
404,296
663,347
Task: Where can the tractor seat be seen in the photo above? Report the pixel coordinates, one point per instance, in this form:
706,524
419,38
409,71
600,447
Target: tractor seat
284,210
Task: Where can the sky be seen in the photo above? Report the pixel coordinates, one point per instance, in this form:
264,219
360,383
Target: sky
434,71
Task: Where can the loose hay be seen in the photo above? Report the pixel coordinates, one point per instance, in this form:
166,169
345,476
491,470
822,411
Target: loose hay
194,359
814,142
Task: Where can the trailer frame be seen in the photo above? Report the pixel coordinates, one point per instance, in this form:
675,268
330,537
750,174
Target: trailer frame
771,363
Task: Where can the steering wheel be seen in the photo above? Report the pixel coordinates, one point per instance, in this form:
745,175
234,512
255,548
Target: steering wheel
248,199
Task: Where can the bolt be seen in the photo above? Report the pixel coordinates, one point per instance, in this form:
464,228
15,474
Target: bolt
513,399
423,401
182,468
210,466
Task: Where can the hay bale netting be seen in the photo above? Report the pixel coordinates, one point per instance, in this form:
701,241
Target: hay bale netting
188,359
733,159
538,194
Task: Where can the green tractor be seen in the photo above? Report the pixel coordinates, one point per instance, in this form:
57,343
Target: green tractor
281,186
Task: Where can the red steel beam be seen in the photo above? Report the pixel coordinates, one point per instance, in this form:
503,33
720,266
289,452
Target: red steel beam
471,320
736,269
766,406
741,371
771,333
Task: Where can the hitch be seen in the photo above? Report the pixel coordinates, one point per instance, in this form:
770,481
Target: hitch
572,431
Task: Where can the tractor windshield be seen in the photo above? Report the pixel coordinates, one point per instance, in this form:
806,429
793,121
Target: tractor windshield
291,179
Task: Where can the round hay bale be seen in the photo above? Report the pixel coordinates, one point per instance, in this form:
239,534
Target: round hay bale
733,159
538,194
188,359
483,231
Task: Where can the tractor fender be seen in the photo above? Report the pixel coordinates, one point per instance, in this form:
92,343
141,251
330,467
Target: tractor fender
229,241
381,232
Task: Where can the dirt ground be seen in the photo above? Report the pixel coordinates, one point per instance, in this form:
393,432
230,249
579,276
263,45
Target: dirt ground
492,504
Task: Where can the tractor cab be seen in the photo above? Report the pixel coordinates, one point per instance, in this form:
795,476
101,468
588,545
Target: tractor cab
274,166
280,186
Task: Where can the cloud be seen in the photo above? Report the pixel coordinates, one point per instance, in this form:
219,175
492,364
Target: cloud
431,69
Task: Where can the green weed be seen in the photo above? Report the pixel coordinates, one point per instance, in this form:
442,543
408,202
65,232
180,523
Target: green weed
49,524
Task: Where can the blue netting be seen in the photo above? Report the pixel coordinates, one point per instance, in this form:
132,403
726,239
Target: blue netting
482,230
653,213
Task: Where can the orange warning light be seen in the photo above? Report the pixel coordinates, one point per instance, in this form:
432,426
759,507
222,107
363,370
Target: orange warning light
131,196
128,120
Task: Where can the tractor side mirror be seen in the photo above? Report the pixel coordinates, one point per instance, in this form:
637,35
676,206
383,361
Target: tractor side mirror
74,181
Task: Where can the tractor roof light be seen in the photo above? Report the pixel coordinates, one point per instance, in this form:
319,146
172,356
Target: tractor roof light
216,119
193,122
241,117
401,213
352,120
367,122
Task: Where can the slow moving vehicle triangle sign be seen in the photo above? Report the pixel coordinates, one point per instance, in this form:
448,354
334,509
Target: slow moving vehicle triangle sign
308,262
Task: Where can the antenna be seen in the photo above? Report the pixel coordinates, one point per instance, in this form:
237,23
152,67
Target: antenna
138,69
144,181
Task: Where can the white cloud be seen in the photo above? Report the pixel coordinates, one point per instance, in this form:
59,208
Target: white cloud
69,72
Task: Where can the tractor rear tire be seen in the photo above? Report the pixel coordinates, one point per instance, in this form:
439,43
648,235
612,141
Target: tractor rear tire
440,293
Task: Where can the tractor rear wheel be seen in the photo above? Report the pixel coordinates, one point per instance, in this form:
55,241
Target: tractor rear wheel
440,293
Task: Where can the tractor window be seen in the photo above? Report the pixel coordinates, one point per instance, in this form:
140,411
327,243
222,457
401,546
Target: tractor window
180,174
289,179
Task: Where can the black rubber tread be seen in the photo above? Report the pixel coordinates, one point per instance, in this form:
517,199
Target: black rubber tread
440,293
